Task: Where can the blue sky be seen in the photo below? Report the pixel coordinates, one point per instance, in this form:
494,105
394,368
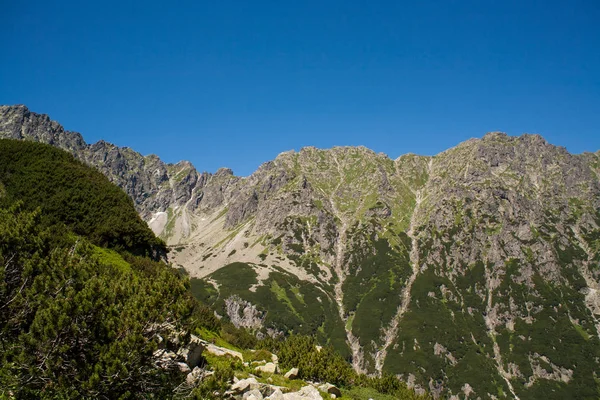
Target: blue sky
234,83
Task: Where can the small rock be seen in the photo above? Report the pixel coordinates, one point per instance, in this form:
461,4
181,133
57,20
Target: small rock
292,373
253,394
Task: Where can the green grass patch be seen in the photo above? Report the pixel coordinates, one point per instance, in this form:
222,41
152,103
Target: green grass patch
111,257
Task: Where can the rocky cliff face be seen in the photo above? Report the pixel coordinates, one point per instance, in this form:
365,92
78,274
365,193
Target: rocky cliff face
473,273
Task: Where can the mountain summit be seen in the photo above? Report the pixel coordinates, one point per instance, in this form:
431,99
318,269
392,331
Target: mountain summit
473,273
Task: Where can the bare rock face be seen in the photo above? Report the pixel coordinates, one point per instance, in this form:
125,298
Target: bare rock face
475,272
17,122
243,314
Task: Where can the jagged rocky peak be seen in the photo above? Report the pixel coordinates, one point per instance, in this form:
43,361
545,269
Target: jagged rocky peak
146,179
17,122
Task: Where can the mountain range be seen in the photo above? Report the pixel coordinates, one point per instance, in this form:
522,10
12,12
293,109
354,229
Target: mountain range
472,273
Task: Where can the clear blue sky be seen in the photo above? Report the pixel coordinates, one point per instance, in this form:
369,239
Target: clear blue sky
234,83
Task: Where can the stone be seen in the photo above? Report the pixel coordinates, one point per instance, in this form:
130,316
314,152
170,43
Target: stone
268,390
331,389
268,368
222,351
244,385
276,395
253,394
306,393
292,373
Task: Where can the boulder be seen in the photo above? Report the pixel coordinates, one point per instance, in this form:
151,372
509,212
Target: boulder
331,389
222,351
292,373
306,393
268,368
269,390
276,395
244,385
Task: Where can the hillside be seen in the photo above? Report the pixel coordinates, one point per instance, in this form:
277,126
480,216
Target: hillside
81,308
71,194
474,272
87,313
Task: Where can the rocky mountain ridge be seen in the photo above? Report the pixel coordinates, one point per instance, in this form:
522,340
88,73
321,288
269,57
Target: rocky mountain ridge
474,272
151,183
